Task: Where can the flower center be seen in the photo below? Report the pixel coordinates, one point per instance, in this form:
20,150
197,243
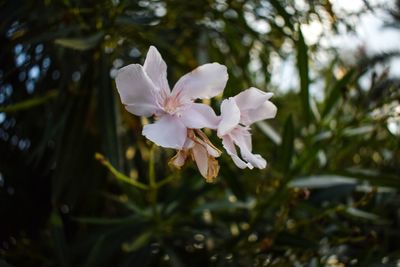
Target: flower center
171,105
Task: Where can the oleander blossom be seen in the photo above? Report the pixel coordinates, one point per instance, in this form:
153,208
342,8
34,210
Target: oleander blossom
179,120
144,91
237,114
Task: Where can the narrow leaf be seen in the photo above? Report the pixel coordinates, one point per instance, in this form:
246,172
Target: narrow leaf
322,181
372,176
104,221
287,147
302,65
334,94
30,103
269,131
106,112
139,242
223,205
58,238
359,130
364,215
83,43
95,254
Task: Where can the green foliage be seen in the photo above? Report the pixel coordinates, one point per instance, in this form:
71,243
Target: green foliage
83,43
302,65
328,196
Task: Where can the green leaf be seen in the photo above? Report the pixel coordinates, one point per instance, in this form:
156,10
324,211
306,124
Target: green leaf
372,176
139,242
322,181
95,253
223,205
104,221
129,204
108,117
365,215
287,146
335,92
359,130
30,103
58,238
302,65
83,43
270,132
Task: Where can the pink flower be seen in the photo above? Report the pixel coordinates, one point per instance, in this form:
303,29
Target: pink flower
144,91
237,114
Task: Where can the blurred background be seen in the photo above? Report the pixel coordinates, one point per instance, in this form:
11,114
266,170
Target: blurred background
329,196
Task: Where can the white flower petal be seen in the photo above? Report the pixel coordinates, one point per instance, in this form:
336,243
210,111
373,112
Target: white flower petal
156,69
251,98
255,106
137,91
204,82
242,135
201,158
231,150
230,117
242,138
212,151
266,111
254,159
197,116
167,132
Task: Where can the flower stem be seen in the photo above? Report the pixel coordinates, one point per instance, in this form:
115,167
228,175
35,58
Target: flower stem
120,176
152,174
153,194
166,181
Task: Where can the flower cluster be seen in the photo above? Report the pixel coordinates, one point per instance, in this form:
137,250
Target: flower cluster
179,120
